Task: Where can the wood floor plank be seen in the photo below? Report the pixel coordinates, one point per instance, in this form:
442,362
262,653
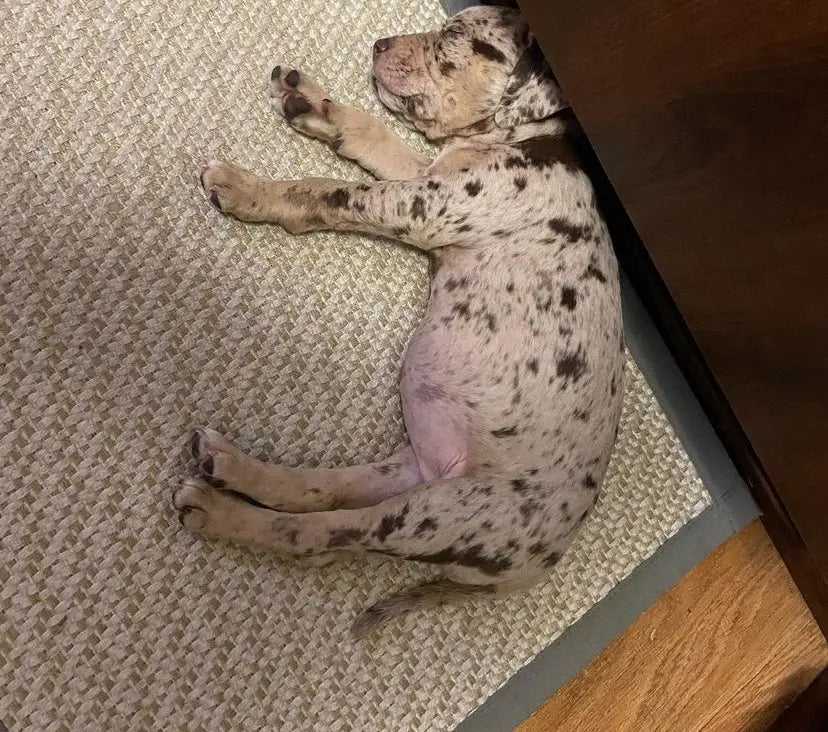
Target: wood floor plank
726,649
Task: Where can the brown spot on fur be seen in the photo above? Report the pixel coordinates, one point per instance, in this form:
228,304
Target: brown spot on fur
428,392
291,536
418,208
569,298
527,510
505,431
452,284
462,309
549,150
473,187
427,524
571,365
592,272
570,231
487,50
387,468
519,485
469,557
552,559
391,523
343,537
339,198
515,161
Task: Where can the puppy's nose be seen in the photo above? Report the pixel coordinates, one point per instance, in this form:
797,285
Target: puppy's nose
382,45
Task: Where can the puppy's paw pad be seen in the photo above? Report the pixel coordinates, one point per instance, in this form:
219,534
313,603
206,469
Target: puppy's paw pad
302,102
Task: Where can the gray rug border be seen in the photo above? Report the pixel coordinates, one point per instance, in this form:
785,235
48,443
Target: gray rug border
732,508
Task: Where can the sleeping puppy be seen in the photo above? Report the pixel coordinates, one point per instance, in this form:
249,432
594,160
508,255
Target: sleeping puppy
512,384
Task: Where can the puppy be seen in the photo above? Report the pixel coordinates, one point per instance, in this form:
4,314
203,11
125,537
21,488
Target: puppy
512,384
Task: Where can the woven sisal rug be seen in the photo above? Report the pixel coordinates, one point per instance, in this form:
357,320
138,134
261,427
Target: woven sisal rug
130,312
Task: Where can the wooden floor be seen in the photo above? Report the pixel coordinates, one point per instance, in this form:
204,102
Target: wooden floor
726,649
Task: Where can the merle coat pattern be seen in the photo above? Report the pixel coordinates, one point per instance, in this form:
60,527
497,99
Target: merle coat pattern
512,383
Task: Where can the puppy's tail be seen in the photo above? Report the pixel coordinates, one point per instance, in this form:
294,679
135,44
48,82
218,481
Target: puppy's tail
438,592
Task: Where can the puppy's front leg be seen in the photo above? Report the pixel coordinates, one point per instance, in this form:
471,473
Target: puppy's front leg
350,132
415,212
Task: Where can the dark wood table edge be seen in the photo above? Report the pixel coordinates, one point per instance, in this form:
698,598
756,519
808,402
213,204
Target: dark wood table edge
809,711
642,272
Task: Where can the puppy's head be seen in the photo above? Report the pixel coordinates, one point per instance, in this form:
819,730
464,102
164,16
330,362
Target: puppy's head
481,70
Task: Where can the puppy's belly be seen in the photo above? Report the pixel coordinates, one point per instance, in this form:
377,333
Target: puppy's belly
436,401
438,437
513,397
454,398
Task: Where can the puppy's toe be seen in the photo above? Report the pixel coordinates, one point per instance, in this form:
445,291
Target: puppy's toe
230,189
194,500
220,462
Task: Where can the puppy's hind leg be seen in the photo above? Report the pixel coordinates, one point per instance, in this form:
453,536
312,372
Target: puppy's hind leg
295,490
487,534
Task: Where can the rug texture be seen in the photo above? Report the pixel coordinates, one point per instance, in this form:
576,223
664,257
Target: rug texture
130,312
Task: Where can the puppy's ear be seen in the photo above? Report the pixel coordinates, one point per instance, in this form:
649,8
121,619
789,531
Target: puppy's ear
532,92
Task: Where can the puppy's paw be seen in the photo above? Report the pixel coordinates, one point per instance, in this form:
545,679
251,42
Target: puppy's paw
220,462
303,104
233,190
199,505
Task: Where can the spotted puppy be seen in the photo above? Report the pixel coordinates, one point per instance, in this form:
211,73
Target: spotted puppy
511,387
